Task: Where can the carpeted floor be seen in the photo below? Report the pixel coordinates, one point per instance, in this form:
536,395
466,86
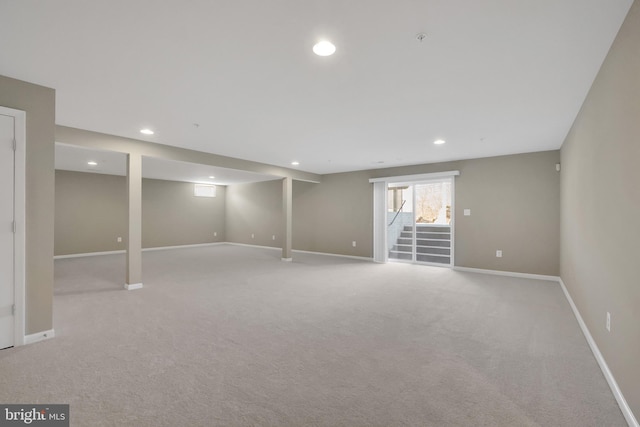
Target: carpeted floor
232,336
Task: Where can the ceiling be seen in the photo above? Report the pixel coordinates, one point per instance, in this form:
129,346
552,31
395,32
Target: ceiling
492,77
73,158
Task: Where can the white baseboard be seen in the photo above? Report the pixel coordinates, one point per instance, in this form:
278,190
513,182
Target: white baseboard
361,258
252,246
160,248
617,393
508,273
195,245
39,336
132,286
89,254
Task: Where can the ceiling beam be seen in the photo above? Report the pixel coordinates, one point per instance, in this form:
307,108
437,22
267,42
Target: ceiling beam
101,141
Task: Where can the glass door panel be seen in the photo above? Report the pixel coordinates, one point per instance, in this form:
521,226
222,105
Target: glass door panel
419,221
433,222
400,220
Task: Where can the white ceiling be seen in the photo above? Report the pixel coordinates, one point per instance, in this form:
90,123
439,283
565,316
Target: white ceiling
492,77
73,158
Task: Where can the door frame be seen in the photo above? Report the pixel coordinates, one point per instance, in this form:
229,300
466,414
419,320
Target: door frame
19,217
380,185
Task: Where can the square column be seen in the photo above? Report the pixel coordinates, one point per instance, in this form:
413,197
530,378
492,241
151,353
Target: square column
134,222
287,217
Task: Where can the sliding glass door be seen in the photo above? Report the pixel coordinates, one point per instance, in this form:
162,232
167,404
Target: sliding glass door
420,221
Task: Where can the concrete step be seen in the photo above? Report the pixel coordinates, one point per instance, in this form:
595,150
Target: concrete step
426,242
425,235
433,258
437,250
428,228
432,229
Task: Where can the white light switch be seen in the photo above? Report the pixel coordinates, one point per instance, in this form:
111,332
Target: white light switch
119,239
499,253
467,212
353,243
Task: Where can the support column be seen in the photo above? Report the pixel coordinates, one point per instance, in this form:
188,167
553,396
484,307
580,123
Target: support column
287,217
134,228
380,226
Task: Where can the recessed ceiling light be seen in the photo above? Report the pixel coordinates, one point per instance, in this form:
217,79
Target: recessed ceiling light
295,163
439,141
324,48
146,131
211,177
92,163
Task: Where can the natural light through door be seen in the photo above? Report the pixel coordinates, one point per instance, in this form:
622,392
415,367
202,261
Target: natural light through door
414,218
420,221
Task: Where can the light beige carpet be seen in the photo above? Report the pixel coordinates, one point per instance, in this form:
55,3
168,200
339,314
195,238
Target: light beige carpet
232,336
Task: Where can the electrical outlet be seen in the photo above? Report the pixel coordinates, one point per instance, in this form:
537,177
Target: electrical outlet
467,212
273,237
353,243
608,321
253,236
498,254
215,234
119,239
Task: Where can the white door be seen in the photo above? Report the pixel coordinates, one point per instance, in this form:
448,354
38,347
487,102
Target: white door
7,253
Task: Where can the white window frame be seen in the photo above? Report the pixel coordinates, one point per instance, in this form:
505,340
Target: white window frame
204,190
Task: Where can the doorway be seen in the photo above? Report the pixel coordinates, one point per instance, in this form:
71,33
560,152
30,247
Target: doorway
420,224
414,219
12,230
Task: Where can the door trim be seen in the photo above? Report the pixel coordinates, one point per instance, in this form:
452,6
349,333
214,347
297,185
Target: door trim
413,178
19,203
380,222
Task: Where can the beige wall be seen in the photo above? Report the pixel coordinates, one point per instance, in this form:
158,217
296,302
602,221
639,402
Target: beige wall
91,213
601,206
255,209
515,207
329,216
39,104
172,215
514,202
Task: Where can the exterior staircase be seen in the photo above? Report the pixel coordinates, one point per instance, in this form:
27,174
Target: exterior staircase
433,244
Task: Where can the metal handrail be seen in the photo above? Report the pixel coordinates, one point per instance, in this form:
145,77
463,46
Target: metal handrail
397,213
